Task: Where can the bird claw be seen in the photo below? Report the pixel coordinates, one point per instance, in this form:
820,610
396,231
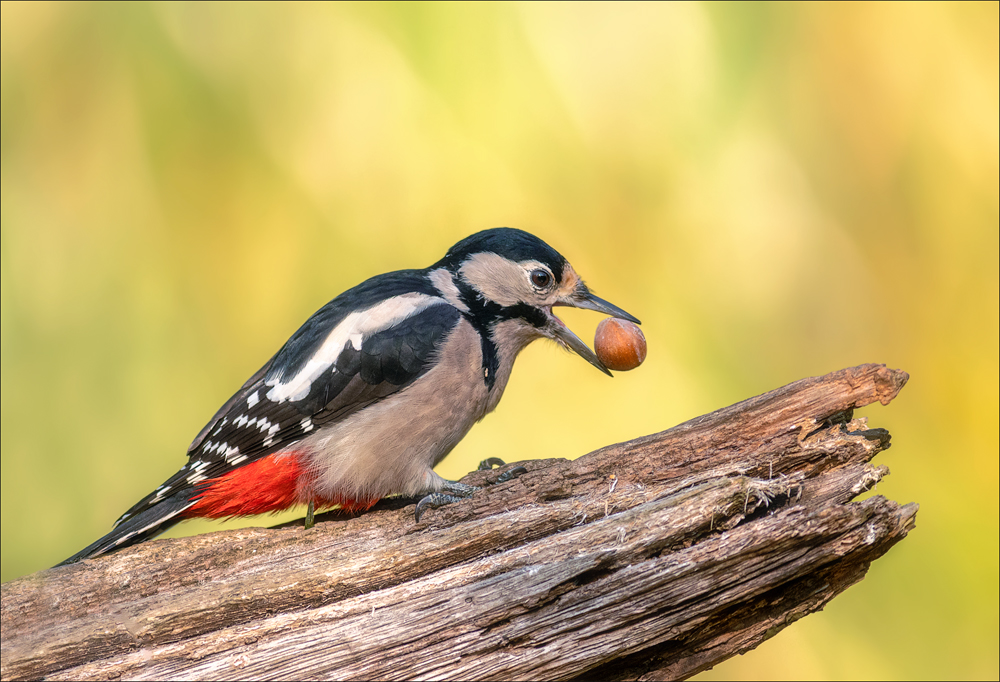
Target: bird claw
453,491
433,501
489,463
510,475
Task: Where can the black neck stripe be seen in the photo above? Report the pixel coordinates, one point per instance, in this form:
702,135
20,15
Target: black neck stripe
484,315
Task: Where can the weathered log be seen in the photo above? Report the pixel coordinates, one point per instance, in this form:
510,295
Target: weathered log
655,558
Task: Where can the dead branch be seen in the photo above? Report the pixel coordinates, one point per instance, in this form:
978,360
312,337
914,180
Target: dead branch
653,559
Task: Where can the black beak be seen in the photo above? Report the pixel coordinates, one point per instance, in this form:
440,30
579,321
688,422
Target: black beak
588,301
582,298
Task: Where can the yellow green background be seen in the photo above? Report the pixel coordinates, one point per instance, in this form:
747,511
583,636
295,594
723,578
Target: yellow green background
777,191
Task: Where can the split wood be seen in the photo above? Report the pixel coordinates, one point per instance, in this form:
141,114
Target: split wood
652,559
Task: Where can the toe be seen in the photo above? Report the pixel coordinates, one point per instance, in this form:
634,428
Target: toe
433,501
490,462
511,474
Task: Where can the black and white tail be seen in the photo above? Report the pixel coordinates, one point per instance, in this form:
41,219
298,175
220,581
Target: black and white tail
143,526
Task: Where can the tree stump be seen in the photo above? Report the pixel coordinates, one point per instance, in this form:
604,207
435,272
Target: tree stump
652,559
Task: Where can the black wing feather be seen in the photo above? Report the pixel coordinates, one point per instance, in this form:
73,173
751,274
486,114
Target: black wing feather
241,394
304,343
250,426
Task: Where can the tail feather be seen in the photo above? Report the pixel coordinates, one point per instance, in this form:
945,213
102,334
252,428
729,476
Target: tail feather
143,526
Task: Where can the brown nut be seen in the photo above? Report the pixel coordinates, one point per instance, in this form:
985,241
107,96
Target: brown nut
619,344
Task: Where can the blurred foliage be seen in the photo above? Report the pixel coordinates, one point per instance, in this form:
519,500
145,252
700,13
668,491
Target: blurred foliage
777,191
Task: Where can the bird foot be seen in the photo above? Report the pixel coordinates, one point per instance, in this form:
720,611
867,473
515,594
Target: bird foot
453,491
509,475
489,463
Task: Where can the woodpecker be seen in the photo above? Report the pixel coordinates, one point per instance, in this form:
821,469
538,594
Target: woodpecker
374,390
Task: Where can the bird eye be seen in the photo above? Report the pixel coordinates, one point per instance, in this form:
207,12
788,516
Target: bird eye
540,278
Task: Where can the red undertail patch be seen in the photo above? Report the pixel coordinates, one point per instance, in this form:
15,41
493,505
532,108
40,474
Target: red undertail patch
270,484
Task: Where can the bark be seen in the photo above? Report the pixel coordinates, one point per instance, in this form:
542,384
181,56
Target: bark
651,559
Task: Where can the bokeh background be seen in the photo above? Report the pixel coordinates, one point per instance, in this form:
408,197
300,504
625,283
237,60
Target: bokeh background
777,191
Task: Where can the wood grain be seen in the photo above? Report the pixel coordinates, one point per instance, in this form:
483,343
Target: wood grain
651,559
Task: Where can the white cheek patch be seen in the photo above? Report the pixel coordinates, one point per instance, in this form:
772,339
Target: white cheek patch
505,282
352,329
498,279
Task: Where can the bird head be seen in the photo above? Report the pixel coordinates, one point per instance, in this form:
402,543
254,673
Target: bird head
511,280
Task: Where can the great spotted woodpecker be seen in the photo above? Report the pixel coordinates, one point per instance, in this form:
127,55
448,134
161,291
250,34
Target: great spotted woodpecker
373,390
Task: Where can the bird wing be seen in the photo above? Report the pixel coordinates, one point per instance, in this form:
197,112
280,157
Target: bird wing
345,357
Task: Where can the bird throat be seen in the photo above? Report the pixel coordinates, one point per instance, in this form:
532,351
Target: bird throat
484,314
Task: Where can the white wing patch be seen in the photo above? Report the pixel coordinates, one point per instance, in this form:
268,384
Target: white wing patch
352,329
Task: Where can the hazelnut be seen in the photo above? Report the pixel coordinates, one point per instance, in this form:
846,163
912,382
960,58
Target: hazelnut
619,344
